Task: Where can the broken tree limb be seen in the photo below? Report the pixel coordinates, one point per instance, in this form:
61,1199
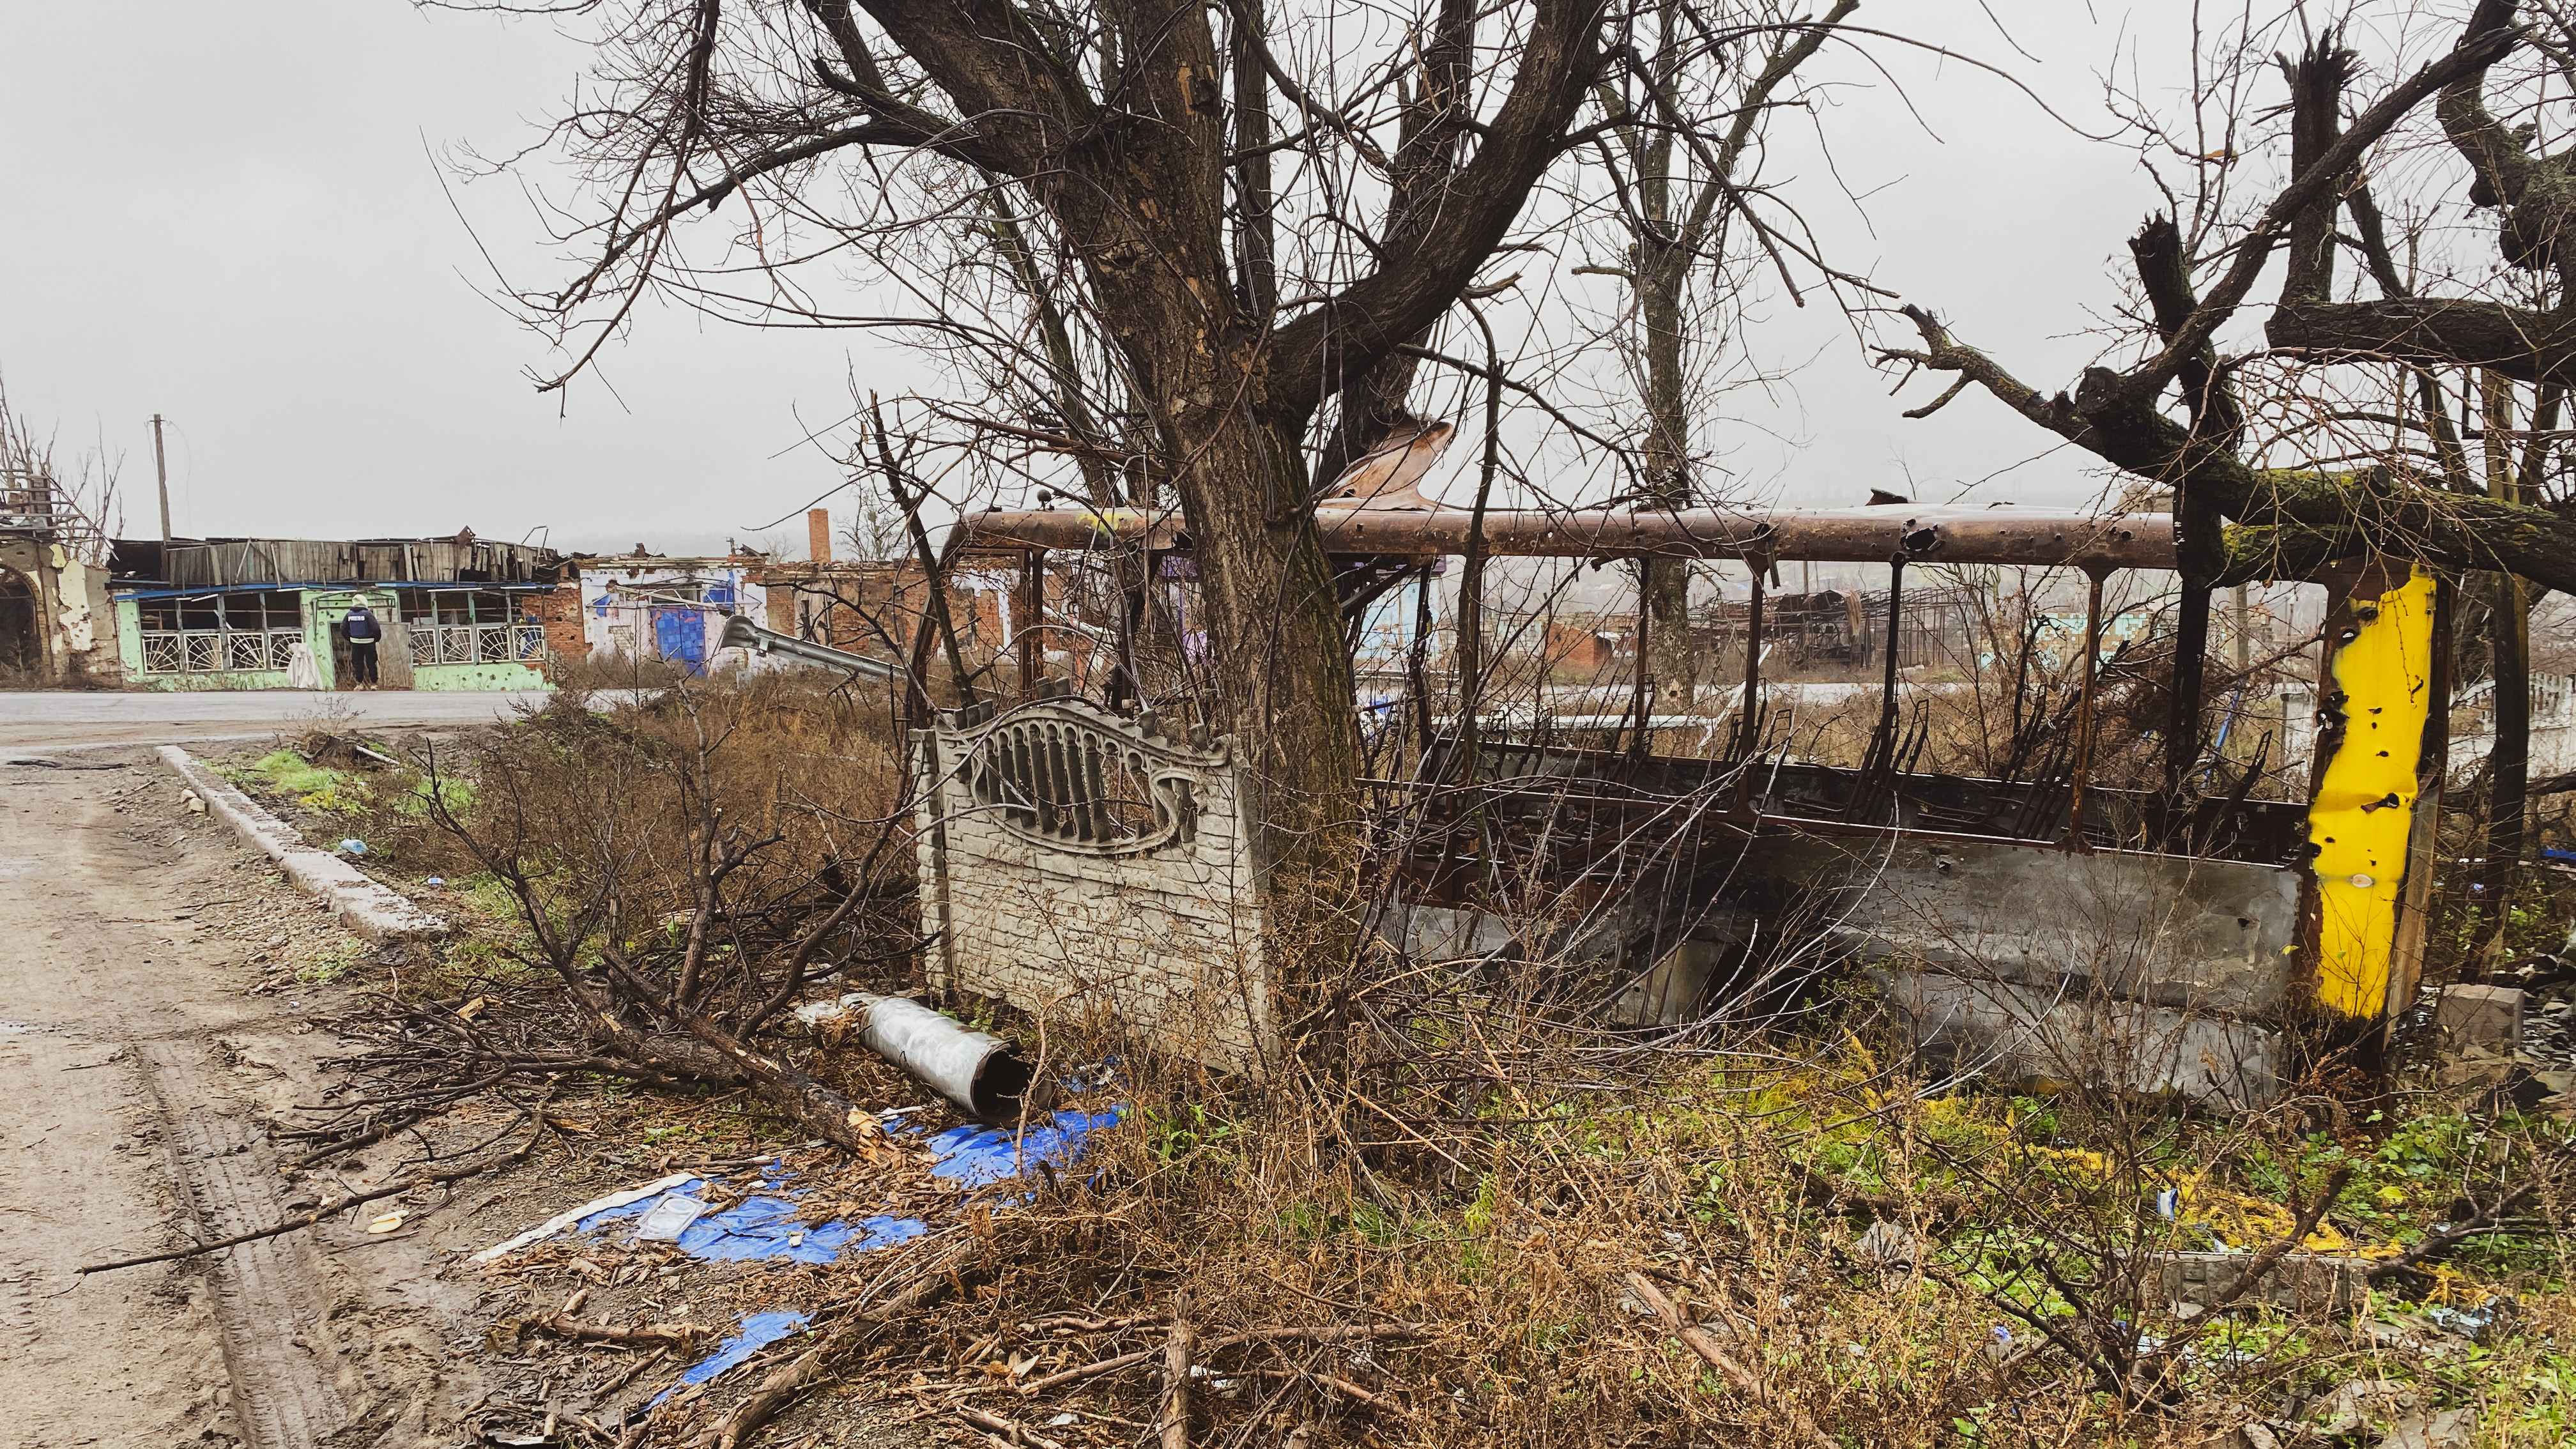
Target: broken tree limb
2271,1256
1337,1333
2486,1220
1338,1385
564,1325
1011,1430
2562,784
1176,1376
2155,1378
709,1053
1744,1380
786,1382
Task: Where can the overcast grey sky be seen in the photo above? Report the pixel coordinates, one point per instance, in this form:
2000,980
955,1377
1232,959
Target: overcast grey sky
230,214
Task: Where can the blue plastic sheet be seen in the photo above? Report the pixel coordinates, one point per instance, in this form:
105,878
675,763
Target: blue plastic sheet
759,1331
972,1156
761,1225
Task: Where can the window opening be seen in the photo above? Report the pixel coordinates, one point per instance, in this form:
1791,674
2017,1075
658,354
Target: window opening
472,626
250,632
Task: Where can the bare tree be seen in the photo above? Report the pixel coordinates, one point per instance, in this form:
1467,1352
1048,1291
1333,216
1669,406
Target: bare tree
2259,447
2352,433
1165,254
75,504
2286,509
1676,190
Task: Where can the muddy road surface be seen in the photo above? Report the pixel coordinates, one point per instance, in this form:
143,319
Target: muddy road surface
165,1002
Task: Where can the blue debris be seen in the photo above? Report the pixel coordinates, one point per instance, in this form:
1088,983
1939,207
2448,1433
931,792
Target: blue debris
760,1227
765,1225
759,1331
2473,1324
972,1156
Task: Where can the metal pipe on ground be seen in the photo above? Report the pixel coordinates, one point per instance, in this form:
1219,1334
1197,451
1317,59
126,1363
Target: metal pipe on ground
978,1072
741,633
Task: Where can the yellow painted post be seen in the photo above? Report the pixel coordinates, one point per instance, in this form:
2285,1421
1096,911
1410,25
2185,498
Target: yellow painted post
2370,821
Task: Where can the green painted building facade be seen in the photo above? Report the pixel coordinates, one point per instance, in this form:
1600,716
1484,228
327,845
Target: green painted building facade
233,613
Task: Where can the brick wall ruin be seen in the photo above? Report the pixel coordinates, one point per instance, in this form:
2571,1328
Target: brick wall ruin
1076,863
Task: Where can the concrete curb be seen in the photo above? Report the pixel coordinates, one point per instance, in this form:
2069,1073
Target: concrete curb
367,906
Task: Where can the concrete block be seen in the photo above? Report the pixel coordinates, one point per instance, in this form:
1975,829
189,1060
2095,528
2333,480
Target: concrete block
1442,932
2050,1036
2488,1017
2301,1280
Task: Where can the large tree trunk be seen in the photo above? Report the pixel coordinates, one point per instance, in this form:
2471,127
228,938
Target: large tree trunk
1276,627
1146,208
1672,655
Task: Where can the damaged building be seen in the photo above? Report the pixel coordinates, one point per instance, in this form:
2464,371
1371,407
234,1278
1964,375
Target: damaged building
271,613
54,610
880,607
645,606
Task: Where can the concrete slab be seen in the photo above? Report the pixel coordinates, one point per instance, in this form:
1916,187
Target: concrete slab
2023,1033
2173,931
2483,1017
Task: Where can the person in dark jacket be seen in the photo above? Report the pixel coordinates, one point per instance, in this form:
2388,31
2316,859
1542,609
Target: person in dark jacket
364,633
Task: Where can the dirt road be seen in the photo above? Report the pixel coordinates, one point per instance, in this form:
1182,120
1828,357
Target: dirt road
159,989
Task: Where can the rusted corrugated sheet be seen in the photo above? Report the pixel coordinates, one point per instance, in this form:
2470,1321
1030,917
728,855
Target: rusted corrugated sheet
217,563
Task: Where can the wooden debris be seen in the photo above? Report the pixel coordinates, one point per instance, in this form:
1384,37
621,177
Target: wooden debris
1337,1333
1009,1430
1176,1376
1744,1380
563,1325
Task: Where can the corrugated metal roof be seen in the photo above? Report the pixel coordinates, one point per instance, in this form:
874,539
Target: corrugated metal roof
231,562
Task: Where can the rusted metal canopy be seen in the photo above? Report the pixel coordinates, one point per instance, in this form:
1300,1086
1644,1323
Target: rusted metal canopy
2002,535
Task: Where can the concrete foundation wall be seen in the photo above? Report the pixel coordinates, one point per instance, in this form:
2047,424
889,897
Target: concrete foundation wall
475,676
2155,974
1151,919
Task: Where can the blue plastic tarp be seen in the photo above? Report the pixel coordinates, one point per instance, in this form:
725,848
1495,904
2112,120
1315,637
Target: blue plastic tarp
972,1156
759,1331
760,1226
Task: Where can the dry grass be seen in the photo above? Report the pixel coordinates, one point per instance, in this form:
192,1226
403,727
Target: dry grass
1475,1156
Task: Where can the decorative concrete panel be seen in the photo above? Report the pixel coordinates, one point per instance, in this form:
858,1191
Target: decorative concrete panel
1076,863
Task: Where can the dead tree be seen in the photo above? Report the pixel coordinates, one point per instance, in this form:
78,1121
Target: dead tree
2346,438
1676,193
678,900
1162,250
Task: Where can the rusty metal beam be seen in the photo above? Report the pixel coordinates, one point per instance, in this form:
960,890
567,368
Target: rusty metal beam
2004,535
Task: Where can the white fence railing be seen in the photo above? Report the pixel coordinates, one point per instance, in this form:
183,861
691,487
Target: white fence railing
218,651
477,643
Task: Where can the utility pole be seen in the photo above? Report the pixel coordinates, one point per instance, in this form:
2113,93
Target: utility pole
161,475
